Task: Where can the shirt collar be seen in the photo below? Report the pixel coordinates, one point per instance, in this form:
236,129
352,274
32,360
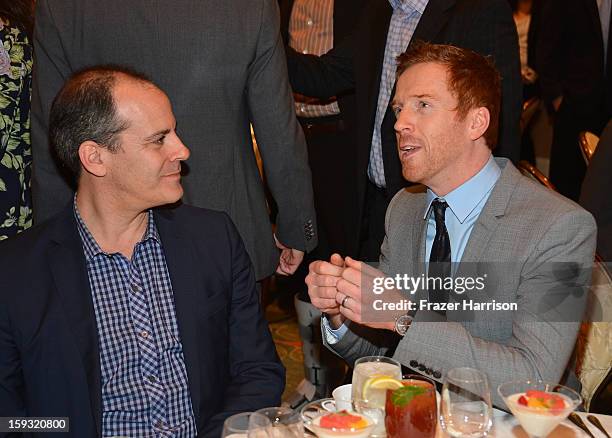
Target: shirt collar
465,198
91,247
409,6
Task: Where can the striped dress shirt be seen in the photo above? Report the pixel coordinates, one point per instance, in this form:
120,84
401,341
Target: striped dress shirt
145,390
311,30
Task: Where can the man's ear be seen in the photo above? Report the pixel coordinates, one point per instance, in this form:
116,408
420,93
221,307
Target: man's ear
479,119
91,156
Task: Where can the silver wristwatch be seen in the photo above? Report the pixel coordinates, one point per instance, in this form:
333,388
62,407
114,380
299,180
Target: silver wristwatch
402,324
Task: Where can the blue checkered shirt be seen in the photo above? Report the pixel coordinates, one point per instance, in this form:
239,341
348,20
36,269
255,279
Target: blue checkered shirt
145,391
404,21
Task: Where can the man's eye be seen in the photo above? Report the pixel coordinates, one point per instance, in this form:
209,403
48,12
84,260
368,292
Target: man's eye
160,140
423,104
396,110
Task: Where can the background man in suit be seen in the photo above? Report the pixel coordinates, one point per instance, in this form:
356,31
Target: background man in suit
366,64
476,210
314,26
573,62
138,321
222,68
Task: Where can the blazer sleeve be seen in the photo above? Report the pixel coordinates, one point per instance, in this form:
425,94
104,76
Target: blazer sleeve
257,377
11,378
323,76
541,344
50,190
279,136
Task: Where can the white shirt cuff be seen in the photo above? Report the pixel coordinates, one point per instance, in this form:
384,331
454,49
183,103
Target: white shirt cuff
333,336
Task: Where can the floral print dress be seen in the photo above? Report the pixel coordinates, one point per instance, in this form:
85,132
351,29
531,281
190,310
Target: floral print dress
15,149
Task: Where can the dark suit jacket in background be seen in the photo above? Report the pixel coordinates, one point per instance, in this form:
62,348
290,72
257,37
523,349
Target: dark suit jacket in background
222,64
331,157
485,26
570,63
49,357
595,195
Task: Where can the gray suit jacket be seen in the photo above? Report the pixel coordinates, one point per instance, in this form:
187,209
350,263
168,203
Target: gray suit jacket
222,64
530,233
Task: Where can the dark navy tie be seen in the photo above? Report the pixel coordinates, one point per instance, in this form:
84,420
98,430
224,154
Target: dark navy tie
440,257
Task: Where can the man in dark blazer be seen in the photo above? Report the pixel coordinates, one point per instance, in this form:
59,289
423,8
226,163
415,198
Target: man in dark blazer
575,82
129,319
484,26
314,27
222,65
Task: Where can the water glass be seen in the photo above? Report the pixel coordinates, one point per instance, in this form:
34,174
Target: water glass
286,423
247,425
372,402
465,408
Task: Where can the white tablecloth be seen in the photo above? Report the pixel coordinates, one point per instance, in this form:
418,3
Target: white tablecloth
506,426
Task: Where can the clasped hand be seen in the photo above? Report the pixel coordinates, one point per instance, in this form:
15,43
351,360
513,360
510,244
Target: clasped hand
336,288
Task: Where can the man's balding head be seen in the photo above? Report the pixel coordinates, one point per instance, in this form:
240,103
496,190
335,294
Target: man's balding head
85,110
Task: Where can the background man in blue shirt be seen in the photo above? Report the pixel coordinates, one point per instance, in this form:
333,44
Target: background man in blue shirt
129,319
478,212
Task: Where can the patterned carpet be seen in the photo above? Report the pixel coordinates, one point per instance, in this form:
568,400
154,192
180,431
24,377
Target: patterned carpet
284,328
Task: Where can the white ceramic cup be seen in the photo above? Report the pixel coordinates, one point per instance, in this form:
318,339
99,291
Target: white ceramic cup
342,398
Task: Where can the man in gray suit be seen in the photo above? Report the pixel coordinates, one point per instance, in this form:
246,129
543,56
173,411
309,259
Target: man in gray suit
479,218
223,67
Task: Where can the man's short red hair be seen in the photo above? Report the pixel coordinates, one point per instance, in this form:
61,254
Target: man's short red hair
472,79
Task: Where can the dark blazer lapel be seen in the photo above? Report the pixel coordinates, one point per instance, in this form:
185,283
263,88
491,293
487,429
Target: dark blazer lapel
374,52
67,263
181,262
436,15
286,6
593,12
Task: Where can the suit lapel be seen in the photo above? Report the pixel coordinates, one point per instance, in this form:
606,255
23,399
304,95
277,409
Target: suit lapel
375,52
436,15
67,263
419,238
181,262
286,6
593,12
488,221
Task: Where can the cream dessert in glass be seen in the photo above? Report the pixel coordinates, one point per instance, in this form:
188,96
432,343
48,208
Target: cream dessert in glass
539,406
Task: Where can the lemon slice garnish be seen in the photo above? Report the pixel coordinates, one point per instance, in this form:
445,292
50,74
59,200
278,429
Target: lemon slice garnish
375,383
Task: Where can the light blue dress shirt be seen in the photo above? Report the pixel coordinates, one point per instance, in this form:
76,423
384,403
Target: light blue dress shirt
465,204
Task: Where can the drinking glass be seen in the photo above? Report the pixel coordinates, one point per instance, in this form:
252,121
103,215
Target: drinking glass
369,400
286,423
466,409
247,425
540,418
411,411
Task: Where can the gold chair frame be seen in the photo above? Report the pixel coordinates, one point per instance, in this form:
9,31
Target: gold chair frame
533,172
587,141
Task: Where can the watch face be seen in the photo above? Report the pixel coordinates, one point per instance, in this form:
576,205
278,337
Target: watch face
402,324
